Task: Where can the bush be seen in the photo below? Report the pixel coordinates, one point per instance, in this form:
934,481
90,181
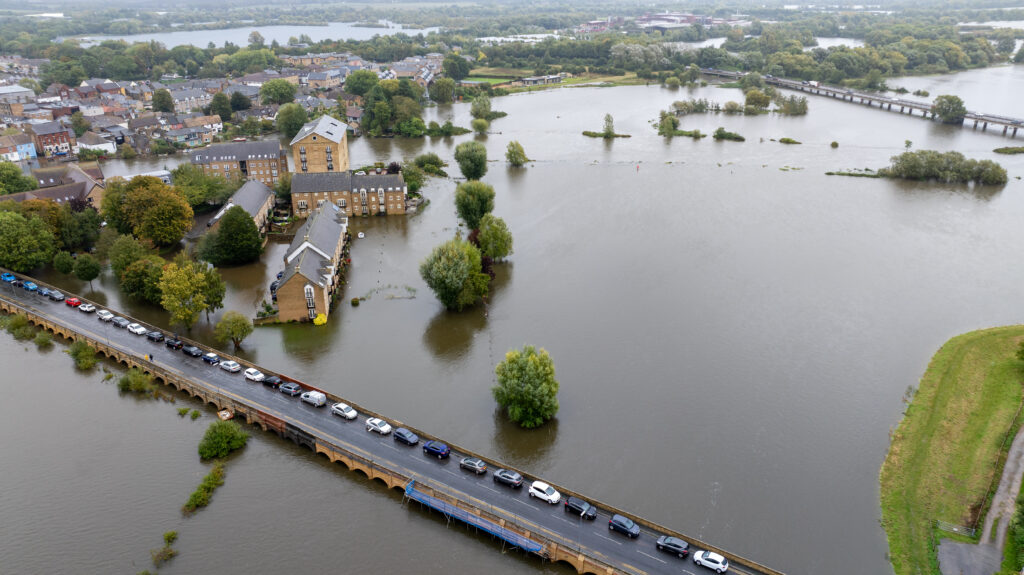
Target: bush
182,411
136,381
355,302
83,354
945,167
202,495
43,339
195,414
834,144
222,437
722,134
527,389
788,141
18,326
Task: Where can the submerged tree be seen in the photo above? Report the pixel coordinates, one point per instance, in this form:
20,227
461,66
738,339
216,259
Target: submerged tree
527,389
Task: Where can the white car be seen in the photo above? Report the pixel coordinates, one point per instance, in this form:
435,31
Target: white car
137,329
104,315
343,410
545,492
86,308
231,366
378,425
253,374
711,560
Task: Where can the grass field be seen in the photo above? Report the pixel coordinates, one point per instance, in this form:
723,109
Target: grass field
949,445
488,80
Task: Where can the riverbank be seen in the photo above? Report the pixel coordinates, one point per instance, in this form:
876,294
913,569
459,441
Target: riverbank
950,444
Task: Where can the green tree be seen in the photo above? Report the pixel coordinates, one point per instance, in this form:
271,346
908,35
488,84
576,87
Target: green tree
166,221
214,288
64,263
256,40
87,268
515,154
495,240
126,152
360,82
278,91
290,119
481,107
473,200
79,124
235,242
221,438
413,177
123,252
455,67
233,326
609,126
949,109
70,73
141,279
181,287
472,159
12,180
202,190
442,90
162,101
221,106
527,389
239,101
1019,57
758,99
480,126
25,244
452,270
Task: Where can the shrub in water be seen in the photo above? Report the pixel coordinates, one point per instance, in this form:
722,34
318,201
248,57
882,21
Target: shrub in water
222,437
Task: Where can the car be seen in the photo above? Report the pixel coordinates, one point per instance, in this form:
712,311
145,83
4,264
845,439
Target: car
7,277
120,322
155,336
344,410
508,477
174,343
253,374
436,449
55,295
274,285
673,545
30,286
403,435
211,358
137,329
280,275
474,464
192,350
43,292
314,398
544,492
73,302
231,366
291,389
577,506
712,561
379,425
624,525
104,315
86,308
272,381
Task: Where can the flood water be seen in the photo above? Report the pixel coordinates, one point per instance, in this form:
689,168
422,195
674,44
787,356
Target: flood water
733,331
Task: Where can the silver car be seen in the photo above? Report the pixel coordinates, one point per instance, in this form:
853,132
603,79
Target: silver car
344,410
231,366
379,425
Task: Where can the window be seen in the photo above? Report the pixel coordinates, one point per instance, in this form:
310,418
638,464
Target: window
341,203
320,203
302,150
330,167
312,313
308,291
303,165
302,204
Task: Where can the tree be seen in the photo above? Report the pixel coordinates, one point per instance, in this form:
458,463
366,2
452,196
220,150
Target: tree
181,288
256,40
239,101
221,438
87,268
609,126
758,99
64,263
12,180
472,159
1019,57
515,154
126,152
235,242
442,90
290,119
480,126
141,279
25,244
360,82
162,101
221,106
949,109
79,124
494,239
214,288
452,270
527,389
233,326
455,67
125,251
473,200
278,91
166,220
481,107
200,189
69,73
413,177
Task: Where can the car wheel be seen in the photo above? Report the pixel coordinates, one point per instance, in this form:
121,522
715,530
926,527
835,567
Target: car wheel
532,495
682,555
439,457
718,571
660,548
495,478
610,528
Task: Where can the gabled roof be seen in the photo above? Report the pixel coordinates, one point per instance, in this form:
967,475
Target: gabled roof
325,127
322,232
308,265
344,181
238,151
62,193
250,197
47,128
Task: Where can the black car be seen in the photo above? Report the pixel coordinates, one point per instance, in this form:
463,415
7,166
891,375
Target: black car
154,336
403,435
174,343
274,285
120,322
510,478
624,525
192,350
673,545
474,464
577,506
55,295
272,381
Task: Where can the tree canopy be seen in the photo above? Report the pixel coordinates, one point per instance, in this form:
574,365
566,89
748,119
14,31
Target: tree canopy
221,106
147,208
87,268
494,239
236,240
452,270
25,244
473,200
277,91
12,180
360,82
221,438
515,154
290,119
182,287
162,101
455,67
527,389
949,109
472,159
233,327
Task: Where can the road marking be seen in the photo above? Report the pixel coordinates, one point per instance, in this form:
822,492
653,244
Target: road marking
652,557
598,533
450,472
560,518
491,490
391,447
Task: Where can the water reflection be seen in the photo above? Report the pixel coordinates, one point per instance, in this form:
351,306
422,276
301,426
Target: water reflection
449,335
523,447
929,191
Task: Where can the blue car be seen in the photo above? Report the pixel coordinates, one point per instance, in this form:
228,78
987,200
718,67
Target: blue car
44,292
7,277
437,449
30,286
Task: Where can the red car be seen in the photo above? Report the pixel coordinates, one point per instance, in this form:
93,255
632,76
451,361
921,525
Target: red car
73,301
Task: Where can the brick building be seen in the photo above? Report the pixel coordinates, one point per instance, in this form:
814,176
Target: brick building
260,161
312,266
353,194
255,198
54,139
321,146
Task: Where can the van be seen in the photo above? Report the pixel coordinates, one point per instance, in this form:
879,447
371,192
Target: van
314,398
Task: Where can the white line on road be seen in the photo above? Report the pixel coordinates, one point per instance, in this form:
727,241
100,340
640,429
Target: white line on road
652,557
491,490
598,533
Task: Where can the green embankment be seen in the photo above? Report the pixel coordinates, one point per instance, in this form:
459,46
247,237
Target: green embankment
949,446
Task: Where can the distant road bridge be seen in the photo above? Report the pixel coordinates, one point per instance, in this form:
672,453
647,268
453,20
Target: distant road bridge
898,105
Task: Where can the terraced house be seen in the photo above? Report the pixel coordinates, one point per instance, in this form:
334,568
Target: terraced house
313,265
353,194
260,161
